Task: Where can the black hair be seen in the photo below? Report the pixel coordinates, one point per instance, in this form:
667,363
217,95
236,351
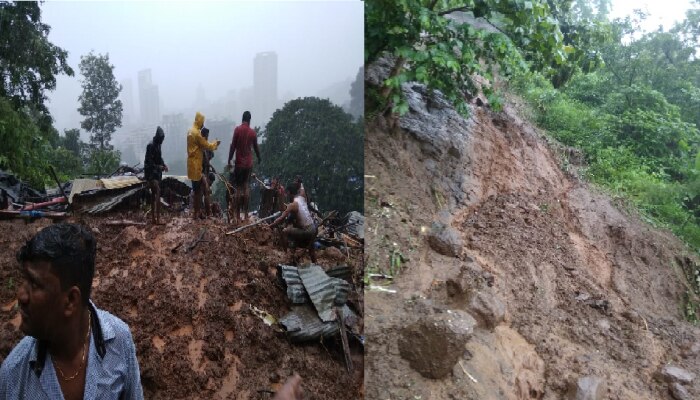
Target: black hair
70,248
205,132
246,116
160,135
293,189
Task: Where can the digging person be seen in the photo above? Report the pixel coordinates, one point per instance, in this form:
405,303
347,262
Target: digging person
244,141
154,166
72,349
196,144
303,230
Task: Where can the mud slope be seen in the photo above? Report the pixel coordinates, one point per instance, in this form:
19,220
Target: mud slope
189,312
588,290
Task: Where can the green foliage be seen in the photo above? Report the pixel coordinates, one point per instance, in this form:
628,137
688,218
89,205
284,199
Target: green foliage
444,53
99,102
357,98
29,63
319,141
102,162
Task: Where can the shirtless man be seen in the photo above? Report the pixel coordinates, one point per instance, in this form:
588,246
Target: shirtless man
303,230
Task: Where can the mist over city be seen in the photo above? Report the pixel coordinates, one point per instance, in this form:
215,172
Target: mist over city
173,59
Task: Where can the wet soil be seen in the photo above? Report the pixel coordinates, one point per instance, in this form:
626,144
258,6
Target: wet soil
189,312
589,288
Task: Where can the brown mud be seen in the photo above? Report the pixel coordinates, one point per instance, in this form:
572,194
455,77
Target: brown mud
189,312
589,289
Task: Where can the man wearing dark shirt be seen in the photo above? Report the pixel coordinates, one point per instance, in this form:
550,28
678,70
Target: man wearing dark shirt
153,171
244,141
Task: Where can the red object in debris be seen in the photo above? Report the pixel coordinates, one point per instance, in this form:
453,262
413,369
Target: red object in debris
34,206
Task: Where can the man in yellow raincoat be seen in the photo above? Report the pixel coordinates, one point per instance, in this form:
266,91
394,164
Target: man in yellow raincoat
196,144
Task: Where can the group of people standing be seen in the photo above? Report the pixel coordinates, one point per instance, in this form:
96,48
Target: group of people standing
200,151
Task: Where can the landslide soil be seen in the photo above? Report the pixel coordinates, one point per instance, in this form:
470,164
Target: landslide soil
189,312
589,288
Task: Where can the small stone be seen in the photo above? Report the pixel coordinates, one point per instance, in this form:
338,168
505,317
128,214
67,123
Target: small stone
434,343
692,350
678,392
675,374
588,388
603,324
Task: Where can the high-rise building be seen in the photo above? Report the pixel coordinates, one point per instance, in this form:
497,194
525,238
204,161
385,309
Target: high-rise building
264,86
127,98
149,100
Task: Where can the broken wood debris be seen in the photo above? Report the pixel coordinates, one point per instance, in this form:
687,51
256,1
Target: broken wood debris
258,222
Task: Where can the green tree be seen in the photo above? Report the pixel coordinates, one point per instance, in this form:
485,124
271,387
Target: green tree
443,44
29,64
313,138
99,102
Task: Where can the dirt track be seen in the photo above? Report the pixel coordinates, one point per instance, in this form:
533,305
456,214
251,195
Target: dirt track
589,290
189,312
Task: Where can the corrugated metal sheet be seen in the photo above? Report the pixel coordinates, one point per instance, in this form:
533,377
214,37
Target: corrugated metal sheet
120,182
324,291
289,276
341,272
113,201
302,325
357,224
83,185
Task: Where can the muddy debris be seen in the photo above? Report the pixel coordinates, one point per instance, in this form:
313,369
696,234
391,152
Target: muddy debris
679,392
434,343
445,240
488,309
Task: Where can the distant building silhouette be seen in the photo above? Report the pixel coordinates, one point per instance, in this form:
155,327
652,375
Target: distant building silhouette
127,98
264,86
149,99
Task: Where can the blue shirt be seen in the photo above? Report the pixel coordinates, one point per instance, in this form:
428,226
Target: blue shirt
112,376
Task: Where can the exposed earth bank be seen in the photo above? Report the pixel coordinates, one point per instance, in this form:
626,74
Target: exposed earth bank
566,294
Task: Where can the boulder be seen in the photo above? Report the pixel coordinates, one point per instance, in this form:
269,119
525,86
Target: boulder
445,240
588,388
672,373
488,308
434,343
678,392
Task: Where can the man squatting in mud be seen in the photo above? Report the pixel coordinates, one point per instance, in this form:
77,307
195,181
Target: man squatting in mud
72,349
303,230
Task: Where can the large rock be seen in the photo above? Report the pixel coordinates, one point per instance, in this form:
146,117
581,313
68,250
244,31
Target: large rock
434,343
488,308
678,392
675,374
588,388
445,240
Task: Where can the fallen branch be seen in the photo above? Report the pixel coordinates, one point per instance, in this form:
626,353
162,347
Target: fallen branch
344,338
258,222
125,223
196,242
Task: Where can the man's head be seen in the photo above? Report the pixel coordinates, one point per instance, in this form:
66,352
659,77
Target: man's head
58,265
205,132
292,189
246,116
159,137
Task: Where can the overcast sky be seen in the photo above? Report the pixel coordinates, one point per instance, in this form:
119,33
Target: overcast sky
211,43
661,12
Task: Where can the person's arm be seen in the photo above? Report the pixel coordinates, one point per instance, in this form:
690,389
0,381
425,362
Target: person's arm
291,390
287,211
148,161
132,386
257,151
204,144
232,149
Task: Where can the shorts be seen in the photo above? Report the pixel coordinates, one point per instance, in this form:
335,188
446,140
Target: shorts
302,237
241,176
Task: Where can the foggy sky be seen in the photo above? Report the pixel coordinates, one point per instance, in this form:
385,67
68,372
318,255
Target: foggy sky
185,44
661,12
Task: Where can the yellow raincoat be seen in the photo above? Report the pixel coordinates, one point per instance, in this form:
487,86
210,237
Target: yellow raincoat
196,144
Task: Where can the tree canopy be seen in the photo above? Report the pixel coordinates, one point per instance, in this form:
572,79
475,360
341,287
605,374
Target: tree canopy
317,140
